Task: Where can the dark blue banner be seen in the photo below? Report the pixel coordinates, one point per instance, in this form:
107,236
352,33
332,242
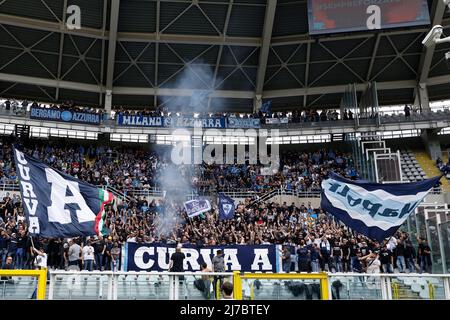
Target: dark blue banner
53,114
139,121
172,122
187,122
57,205
240,123
156,257
372,209
226,207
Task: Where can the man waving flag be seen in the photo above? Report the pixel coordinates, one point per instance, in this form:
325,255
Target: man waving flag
58,205
374,210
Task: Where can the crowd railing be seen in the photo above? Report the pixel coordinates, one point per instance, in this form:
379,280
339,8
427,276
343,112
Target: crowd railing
108,285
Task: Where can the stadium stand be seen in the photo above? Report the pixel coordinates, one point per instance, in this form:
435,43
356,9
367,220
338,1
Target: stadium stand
110,101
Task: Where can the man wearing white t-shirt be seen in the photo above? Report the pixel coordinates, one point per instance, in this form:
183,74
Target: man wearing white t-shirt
87,254
40,261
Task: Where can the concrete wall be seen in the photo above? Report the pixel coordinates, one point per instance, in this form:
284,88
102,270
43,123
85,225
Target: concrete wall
432,144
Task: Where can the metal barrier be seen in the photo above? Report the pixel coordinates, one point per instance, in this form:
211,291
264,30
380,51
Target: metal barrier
107,285
66,285
38,289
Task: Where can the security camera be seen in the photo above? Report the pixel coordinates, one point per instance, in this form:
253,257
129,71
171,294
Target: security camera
434,35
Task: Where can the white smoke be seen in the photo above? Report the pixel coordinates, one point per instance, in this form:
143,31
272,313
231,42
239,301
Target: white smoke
199,78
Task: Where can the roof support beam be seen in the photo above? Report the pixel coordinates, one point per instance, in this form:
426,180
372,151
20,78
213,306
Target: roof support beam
219,54
102,61
61,49
308,59
156,82
114,22
264,52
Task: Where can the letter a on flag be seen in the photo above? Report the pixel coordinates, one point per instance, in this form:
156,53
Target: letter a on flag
58,205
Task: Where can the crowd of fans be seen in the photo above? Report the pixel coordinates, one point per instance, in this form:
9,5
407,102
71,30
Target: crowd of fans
313,240
128,169
20,107
308,115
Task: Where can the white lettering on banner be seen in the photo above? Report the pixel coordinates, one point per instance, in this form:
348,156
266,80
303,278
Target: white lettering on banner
261,257
21,157
146,258
206,255
191,258
57,211
126,120
34,225
164,257
230,257
24,172
27,190
139,257
31,208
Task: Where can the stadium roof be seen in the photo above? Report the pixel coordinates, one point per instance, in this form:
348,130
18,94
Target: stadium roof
245,47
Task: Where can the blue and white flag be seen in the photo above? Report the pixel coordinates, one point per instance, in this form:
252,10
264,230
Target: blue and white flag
57,205
226,207
374,210
266,106
196,207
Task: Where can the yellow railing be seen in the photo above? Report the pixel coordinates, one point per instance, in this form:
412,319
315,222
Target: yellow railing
431,290
41,275
395,293
238,277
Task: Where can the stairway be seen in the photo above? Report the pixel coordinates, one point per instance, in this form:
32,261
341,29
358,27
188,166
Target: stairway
401,291
429,166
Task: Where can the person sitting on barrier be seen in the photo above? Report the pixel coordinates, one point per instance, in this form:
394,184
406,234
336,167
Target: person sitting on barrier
227,290
204,284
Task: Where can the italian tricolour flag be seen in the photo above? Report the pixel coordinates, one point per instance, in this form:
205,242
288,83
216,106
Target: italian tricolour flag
105,197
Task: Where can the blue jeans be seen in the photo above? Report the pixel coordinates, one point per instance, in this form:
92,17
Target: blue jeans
337,264
401,264
115,264
352,262
387,268
315,265
19,258
287,267
99,260
4,254
411,265
88,265
425,264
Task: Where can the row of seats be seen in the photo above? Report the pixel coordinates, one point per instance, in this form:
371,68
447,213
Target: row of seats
411,169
